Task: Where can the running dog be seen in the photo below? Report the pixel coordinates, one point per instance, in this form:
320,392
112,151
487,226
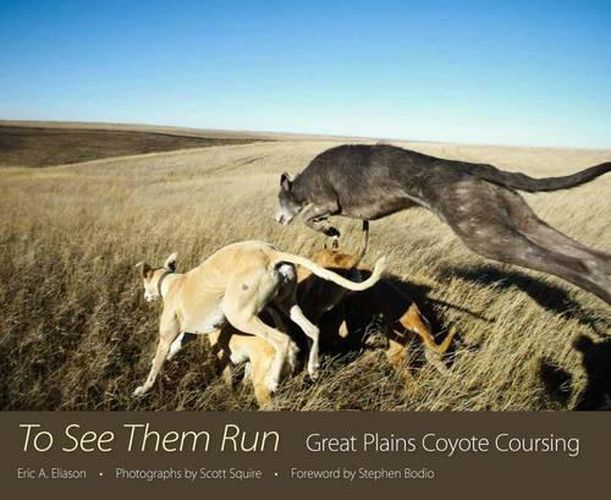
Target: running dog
233,286
385,306
317,296
387,309
233,348
479,202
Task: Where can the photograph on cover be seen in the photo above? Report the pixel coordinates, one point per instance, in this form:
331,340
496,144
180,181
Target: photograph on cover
305,206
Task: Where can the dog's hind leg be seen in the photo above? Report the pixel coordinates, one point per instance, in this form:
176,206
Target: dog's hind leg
497,223
245,297
289,305
258,375
588,268
179,342
397,356
544,235
279,341
413,321
524,251
168,331
175,346
540,230
313,333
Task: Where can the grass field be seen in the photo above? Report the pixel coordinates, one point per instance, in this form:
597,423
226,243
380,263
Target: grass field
76,334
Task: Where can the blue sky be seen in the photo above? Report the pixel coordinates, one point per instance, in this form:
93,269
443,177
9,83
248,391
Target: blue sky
505,72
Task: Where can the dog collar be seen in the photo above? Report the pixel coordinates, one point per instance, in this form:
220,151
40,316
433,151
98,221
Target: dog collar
161,280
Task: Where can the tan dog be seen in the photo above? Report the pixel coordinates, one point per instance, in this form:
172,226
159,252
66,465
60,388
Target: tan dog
233,286
233,348
393,310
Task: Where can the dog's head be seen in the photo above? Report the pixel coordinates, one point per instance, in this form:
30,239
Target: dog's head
151,276
288,204
333,258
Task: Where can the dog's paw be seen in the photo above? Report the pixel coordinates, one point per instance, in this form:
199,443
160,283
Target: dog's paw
272,386
332,232
140,391
314,371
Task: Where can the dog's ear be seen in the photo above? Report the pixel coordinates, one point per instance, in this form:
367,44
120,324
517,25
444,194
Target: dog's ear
285,181
170,263
145,269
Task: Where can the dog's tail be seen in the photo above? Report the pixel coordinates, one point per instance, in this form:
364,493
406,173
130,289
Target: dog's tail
328,275
522,182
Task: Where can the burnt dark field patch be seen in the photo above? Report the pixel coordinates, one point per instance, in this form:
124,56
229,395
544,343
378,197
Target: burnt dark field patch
48,146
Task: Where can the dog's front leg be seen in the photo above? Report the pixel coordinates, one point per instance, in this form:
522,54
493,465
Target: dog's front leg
322,225
160,355
317,218
167,334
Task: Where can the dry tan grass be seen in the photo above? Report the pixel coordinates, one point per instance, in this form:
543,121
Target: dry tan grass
76,333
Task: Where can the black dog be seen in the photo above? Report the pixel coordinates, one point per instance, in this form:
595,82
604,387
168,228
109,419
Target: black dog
479,202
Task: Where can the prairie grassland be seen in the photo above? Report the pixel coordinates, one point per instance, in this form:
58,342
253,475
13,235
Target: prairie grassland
75,332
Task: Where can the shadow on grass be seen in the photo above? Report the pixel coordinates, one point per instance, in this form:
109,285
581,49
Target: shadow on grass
372,318
549,296
558,385
596,361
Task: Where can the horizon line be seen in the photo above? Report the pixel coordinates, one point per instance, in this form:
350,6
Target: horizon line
267,134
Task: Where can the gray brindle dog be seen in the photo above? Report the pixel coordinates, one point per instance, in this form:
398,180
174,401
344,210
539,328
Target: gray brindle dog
479,202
